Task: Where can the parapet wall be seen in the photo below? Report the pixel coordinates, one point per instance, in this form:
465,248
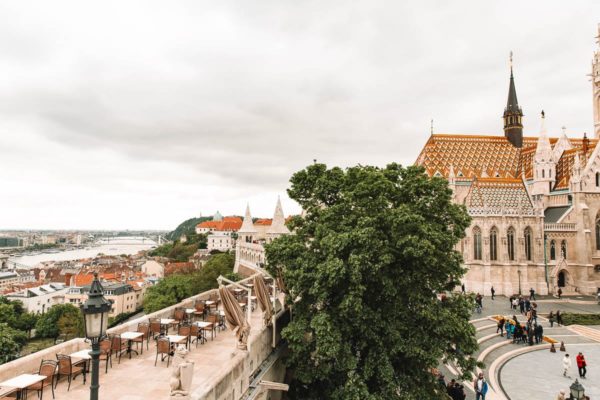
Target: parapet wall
31,362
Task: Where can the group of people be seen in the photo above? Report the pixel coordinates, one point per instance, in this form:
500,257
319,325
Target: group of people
529,333
552,317
581,365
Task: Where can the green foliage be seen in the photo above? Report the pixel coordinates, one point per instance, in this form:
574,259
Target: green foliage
13,314
120,318
181,251
9,345
61,319
187,227
581,319
362,268
175,288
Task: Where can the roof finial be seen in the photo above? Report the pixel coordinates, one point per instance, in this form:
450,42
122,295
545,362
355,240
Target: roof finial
564,129
511,60
431,129
543,114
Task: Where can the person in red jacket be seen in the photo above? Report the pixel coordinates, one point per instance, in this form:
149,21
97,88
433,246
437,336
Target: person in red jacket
581,364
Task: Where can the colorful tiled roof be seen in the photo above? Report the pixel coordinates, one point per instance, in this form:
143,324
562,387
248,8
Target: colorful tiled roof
226,224
479,156
498,196
263,221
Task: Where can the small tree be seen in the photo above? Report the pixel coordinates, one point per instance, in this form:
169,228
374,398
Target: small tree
9,346
363,268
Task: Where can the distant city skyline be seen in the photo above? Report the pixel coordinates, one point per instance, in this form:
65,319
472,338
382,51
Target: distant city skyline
139,115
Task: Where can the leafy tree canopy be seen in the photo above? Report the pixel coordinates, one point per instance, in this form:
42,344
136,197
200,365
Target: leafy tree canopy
65,319
9,345
175,288
363,267
187,227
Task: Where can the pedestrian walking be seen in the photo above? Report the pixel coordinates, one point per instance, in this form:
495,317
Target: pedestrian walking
501,326
566,364
561,395
551,319
508,328
493,292
559,293
462,288
515,303
539,333
559,320
581,365
532,294
522,305
481,387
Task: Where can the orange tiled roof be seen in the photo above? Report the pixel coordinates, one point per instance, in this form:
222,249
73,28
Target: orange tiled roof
263,221
480,156
227,224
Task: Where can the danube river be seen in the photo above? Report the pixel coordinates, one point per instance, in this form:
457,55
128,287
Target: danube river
115,247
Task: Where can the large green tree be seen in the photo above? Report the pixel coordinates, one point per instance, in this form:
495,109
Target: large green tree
60,319
363,268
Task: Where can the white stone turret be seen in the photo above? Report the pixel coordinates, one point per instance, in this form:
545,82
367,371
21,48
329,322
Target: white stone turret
277,227
544,166
247,230
576,174
561,145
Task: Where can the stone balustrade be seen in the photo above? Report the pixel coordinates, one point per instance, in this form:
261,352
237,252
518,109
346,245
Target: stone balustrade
563,227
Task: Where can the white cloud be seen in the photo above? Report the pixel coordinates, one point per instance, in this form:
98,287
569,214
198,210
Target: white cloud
141,114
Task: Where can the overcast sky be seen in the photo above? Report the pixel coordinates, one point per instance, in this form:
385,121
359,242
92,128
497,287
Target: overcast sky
142,114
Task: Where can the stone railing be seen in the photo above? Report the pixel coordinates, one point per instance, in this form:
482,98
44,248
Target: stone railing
31,362
558,200
559,227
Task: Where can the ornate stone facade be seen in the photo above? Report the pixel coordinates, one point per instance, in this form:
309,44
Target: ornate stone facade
535,203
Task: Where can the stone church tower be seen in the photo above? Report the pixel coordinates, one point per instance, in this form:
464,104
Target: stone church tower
595,75
513,124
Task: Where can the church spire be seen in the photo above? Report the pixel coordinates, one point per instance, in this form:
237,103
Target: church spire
513,127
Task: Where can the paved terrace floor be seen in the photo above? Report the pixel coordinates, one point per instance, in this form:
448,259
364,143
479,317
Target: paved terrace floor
137,378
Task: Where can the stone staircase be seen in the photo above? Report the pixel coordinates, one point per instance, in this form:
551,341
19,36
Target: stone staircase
493,347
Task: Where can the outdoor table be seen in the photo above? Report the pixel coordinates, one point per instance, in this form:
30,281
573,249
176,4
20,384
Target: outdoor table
21,383
4,391
176,339
201,325
166,322
190,310
130,336
250,285
82,355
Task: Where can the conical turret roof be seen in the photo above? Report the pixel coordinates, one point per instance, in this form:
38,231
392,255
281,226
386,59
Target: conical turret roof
278,225
247,225
543,152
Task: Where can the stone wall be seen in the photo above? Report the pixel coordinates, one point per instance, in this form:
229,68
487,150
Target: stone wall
234,379
31,362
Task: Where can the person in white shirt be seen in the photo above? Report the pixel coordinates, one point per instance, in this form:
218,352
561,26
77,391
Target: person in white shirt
566,362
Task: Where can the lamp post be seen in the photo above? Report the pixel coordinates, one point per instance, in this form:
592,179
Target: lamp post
519,273
577,391
95,311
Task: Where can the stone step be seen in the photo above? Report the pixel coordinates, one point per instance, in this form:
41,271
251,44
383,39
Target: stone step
588,332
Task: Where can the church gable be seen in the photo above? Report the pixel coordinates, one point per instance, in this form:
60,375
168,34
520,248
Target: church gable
498,196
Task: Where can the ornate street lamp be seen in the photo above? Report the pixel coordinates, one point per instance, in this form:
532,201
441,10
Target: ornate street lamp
577,391
95,311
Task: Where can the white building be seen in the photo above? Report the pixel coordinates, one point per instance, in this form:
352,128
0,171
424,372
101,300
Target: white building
153,268
39,299
250,251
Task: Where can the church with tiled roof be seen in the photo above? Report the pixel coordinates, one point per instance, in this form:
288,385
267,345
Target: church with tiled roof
534,202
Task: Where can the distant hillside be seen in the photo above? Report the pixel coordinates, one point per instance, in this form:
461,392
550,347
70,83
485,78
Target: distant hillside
187,227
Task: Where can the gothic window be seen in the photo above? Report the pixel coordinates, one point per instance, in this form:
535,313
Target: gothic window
528,243
597,179
552,250
510,243
549,173
543,172
476,243
563,248
598,234
493,244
